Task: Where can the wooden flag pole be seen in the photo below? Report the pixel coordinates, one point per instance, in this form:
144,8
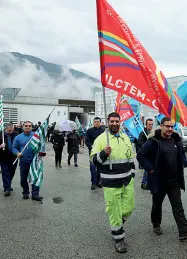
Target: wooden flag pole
106,123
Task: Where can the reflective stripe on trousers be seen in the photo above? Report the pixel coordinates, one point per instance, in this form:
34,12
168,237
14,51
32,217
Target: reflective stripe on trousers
116,176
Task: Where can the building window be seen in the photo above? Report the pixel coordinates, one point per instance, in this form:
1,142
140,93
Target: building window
58,113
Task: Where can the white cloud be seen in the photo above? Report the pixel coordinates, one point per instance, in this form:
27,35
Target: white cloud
34,82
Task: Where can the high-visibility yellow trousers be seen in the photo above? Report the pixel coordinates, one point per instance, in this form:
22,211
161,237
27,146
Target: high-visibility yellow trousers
119,205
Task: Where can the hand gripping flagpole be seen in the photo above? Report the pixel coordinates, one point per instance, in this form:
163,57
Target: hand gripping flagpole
106,123
30,140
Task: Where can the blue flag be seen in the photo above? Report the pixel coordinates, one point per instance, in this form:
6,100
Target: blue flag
134,124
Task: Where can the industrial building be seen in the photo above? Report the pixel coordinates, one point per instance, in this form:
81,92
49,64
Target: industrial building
146,111
21,108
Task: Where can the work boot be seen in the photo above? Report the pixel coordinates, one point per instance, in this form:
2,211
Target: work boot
99,185
25,196
7,193
93,186
60,166
76,165
37,198
121,247
157,230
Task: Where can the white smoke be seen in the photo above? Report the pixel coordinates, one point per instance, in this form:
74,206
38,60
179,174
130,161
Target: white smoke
37,83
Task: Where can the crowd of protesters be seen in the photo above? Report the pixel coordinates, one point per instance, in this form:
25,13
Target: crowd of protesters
160,154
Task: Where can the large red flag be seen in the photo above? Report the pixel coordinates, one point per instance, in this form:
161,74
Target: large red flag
127,67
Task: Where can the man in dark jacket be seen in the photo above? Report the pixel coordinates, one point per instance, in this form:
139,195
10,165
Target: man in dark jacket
7,158
91,135
163,157
141,140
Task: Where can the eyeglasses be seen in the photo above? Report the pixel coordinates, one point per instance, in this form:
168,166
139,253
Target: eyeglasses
112,121
169,126
29,126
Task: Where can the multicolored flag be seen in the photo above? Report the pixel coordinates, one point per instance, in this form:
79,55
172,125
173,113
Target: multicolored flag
1,114
38,145
126,66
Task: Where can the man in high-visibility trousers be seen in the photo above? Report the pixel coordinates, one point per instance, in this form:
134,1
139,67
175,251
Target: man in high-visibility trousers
118,183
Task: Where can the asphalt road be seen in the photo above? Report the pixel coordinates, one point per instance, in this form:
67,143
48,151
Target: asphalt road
77,227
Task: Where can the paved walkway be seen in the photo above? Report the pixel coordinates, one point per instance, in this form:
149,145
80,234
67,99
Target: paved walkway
78,227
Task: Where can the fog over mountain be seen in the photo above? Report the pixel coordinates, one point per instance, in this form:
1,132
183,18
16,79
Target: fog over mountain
36,77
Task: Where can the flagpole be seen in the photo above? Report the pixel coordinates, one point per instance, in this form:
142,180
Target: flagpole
106,123
141,126
3,136
30,140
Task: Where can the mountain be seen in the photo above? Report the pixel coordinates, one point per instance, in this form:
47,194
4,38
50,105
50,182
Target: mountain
24,71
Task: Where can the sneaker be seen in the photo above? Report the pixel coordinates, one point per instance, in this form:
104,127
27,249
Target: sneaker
25,196
37,198
56,165
76,165
93,186
7,193
157,231
99,185
120,247
144,186
60,166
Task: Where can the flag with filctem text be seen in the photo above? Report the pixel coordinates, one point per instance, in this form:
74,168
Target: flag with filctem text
126,66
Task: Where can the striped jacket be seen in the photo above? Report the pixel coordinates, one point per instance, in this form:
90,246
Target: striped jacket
121,158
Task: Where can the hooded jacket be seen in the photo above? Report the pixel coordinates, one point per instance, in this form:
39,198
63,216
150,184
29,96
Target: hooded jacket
149,158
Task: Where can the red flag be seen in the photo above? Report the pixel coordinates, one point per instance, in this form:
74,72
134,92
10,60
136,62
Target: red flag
125,111
126,66
117,103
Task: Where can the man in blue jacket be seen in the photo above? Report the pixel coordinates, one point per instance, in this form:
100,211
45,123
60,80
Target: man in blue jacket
163,157
26,159
91,135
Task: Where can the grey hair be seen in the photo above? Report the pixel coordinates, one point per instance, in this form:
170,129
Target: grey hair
9,125
27,122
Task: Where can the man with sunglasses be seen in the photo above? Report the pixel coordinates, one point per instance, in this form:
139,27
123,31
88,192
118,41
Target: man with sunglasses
26,159
118,182
164,159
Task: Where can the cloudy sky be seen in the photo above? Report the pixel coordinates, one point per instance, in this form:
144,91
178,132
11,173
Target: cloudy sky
64,31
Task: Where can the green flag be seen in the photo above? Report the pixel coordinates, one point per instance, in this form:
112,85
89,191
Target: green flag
38,145
79,126
90,124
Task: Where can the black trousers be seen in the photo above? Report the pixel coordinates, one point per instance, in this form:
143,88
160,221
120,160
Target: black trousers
58,155
172,189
